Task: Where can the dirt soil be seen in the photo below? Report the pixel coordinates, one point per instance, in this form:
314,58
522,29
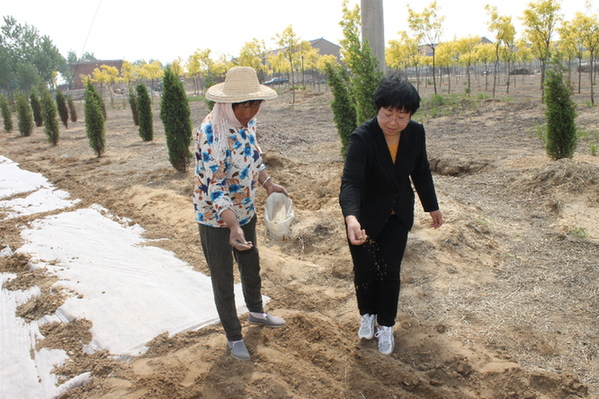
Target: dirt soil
501,302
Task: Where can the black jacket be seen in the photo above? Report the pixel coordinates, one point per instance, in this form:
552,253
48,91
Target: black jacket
372,186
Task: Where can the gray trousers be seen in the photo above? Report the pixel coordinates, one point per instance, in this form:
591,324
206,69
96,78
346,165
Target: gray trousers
219,255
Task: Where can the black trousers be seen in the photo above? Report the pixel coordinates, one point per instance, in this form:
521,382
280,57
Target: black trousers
377,266
219,255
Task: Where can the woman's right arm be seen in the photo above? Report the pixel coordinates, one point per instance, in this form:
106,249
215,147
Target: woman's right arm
352,183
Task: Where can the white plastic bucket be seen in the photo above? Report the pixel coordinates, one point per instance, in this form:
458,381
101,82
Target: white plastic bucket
278,216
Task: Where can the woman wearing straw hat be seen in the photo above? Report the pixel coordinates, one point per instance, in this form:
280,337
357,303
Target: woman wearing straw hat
228,170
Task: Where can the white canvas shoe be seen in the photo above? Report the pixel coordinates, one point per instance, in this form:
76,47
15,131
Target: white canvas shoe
367,323
386,339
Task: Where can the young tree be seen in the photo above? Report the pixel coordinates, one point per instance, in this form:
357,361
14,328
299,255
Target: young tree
200,63
63,110
446,59
36,107
560,114
428,25
504,36
151,72
94,119
109,76
485,54
344,110
290,46
402,54
540,21
24,115
6,113
72,108
365,74
253,54
175,115
50,117
467,53
144,107
588,31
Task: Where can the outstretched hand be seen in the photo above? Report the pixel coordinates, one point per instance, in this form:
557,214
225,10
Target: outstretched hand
355,233
437,217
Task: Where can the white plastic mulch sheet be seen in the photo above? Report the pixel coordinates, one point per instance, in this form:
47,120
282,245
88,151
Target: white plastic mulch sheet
130,290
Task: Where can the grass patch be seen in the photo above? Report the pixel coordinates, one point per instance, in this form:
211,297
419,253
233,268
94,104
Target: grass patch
446,105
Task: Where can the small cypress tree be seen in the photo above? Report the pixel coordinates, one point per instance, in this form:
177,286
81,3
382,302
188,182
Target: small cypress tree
561,114
175,115
72,108
24,115
36,107
50,117
63,111
94,119
6,114
133,105
144,106
344,111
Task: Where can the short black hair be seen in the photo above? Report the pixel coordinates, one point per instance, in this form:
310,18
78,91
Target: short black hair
397,93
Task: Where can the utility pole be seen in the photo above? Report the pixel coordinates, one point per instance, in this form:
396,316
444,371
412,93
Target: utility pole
373,29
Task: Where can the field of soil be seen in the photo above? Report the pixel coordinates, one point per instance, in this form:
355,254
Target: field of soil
502,302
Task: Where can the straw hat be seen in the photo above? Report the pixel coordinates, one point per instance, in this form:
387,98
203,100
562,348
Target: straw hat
241,84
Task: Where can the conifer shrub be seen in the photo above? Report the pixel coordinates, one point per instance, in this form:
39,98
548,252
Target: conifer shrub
94,119
72,108
6,113
344,111
36,107
144,107
24,115
63,110
175,115
560,113
133,105
50,117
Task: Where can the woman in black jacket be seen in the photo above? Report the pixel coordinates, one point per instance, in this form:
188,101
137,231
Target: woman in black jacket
385,156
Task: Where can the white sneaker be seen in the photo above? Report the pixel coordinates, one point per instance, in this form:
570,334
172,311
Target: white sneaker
367,322
386,339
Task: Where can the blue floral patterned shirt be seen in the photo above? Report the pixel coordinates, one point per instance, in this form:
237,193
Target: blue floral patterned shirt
226,179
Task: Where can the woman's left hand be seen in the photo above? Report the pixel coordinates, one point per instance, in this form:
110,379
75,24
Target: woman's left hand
437,217
271,187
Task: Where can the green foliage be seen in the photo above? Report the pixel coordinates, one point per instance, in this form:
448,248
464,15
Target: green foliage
94,119
365,74
593,149
344,111
26,56
175,115
24,115
72,108
133,105
50,117
579,232
561,114
63,110
6,114
144,106
36,107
